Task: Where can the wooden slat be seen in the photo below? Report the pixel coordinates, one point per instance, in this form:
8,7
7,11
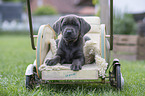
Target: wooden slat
107,36
125,43
125,39
141,48
70,75
35,36
140,57
141,41
95,29
130,44
125,49
93,20
76,82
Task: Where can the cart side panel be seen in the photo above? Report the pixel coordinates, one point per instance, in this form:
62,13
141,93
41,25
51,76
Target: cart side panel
95,31
44,35
105,46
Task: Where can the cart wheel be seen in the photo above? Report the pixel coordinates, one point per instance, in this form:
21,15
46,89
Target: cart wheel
118,77
30,82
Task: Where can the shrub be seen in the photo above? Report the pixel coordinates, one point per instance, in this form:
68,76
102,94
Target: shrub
45,10
124,24
94,2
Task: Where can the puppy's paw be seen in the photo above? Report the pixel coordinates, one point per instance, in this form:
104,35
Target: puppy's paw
76,67
50,62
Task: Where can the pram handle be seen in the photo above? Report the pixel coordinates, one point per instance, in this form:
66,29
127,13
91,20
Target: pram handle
30,25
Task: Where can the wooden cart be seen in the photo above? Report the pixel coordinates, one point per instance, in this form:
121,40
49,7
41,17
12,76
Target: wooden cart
89,72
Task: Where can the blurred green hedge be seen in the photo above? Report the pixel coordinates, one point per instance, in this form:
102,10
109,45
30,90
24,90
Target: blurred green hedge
45,10
124,24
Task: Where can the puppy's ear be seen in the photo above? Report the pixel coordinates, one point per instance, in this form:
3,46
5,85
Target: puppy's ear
84,27
57,26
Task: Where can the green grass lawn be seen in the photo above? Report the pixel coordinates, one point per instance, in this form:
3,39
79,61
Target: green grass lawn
16,54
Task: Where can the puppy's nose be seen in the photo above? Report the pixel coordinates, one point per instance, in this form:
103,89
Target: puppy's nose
69,31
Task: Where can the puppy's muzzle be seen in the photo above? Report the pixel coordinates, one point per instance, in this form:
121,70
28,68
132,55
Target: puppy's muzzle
69,31
69,35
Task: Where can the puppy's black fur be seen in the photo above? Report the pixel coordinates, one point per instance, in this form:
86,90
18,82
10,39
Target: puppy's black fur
70,47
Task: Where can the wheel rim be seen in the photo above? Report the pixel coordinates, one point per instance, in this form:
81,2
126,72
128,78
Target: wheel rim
29,82
118,77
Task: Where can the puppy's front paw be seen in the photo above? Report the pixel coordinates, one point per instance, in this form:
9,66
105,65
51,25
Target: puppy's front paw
76,67
50,62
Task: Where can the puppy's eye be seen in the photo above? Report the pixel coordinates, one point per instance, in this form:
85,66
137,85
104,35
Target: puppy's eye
64,24
75,24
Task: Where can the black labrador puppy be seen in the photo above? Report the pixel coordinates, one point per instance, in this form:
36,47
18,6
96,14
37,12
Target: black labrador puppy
70,47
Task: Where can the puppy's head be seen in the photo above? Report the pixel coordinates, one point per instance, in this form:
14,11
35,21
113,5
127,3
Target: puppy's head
71,27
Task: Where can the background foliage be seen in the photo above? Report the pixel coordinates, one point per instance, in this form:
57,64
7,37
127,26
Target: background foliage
45,10
94,2
124,24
